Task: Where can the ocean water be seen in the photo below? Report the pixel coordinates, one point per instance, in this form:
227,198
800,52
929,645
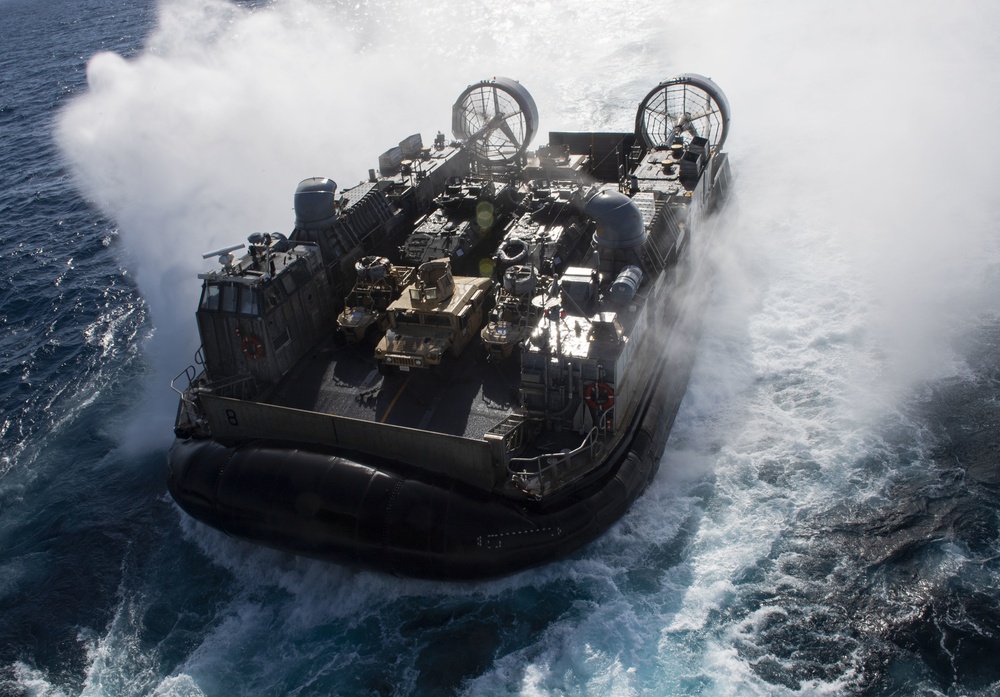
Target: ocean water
825,519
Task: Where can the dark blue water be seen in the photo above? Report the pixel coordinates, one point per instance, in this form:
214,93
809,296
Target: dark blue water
825,520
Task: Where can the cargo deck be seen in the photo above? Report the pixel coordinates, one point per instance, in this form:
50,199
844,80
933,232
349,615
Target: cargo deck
467,399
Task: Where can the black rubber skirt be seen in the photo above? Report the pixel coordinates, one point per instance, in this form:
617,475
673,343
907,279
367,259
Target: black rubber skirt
378,515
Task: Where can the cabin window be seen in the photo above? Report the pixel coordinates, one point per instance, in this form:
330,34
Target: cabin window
229,298
288,282
273,294
407,317
438,320
249,303
210,297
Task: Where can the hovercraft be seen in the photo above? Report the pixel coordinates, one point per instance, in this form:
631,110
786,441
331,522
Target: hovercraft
469,363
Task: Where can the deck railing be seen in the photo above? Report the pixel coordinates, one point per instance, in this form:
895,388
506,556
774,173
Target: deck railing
543,474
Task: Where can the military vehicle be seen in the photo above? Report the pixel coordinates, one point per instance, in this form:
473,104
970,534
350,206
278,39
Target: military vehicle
365,314
436,317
